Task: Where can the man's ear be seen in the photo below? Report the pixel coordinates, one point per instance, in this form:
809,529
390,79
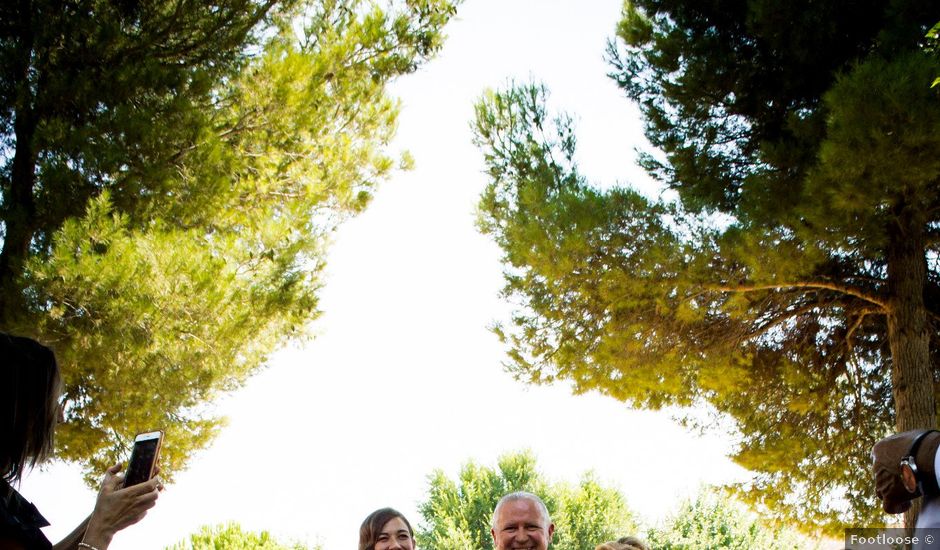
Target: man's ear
493,534
551,531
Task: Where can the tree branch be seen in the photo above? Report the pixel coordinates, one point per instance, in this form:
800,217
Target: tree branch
812,285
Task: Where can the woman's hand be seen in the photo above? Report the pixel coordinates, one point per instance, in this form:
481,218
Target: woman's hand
117,507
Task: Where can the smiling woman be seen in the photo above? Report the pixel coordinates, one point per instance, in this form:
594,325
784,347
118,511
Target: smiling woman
386,529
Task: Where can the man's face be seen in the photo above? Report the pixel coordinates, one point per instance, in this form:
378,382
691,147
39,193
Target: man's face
520,525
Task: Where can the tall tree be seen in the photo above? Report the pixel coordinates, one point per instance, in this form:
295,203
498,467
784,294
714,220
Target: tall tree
792,283
457,514
172,173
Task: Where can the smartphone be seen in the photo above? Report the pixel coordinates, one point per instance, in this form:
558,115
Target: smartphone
143,458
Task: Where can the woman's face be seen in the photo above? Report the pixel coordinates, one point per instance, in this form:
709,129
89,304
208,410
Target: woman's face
394,536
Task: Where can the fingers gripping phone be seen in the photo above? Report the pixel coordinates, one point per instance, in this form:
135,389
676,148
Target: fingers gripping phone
143,461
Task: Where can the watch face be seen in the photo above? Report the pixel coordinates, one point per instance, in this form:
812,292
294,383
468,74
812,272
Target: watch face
908,478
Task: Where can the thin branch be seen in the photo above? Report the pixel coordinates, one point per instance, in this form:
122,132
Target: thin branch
781,317
824,285
849,334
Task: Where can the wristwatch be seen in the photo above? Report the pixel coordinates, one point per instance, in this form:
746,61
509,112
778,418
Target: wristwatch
910,477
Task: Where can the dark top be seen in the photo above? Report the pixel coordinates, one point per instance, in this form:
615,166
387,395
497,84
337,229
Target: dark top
20,521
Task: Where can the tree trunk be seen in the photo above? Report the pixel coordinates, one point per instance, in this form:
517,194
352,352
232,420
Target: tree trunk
19,214
908,332
20,218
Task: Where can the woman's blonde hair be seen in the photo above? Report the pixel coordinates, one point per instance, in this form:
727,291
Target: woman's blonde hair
624,543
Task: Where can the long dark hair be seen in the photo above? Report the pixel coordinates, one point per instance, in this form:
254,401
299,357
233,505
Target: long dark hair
373,524
29,392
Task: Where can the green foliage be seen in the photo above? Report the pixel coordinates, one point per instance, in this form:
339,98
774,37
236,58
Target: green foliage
232,537
173,173
458,514
711,521
797,265
933,36
588,513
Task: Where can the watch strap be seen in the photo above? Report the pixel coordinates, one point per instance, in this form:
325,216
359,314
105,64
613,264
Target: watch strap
922,453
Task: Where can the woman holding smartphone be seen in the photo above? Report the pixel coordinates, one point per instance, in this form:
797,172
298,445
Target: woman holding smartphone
29,411
386,529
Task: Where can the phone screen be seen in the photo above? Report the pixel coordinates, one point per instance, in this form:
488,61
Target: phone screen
142,459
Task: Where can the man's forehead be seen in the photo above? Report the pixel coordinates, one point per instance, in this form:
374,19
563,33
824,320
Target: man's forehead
519,510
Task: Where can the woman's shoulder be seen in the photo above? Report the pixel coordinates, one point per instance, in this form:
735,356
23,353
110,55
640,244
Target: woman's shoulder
20,520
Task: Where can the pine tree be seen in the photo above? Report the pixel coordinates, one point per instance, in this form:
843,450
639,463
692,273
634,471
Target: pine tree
792,282
172,176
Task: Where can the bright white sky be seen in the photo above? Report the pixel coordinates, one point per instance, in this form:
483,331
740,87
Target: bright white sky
403,376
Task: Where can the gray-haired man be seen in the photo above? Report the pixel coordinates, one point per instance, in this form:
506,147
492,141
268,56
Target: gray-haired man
520,521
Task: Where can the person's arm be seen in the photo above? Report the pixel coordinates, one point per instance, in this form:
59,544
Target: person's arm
70,542
115,509
886,469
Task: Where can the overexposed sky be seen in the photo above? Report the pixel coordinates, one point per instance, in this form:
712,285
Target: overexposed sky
403,376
